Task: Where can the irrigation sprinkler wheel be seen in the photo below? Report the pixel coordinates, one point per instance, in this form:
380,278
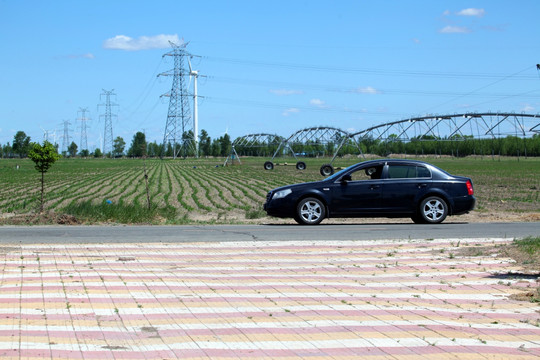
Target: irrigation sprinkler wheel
327,170
268,165
301,165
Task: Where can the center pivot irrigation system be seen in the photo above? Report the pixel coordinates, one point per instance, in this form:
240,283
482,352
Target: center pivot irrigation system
330,140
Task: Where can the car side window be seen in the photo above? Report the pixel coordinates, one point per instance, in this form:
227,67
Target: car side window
407,172
422,172
369,173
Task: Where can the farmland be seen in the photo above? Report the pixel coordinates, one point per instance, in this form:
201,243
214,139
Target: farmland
203,191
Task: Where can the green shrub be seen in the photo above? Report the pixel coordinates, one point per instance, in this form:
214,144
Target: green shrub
120,212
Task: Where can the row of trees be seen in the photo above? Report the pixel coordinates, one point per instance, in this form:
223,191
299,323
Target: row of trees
455,146
207,146
139,147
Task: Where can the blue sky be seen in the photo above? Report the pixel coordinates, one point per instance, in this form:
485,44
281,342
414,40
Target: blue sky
270,66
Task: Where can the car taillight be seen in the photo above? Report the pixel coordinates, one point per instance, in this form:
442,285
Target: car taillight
470,189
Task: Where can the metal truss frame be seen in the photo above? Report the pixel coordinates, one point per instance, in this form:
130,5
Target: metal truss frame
321,135
257,140
456,127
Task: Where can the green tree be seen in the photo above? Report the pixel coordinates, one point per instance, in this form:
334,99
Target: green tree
205,144
216,147
154,149
98,153
138,145
84,153
7,151
43,156
21,144
226,145
118,146
72,149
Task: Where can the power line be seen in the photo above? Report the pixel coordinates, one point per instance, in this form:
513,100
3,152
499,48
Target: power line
387,72
480,88
350,90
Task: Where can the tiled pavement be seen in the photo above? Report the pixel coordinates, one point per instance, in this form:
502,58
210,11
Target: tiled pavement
403,299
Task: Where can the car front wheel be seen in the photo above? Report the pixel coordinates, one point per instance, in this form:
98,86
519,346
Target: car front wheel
310,211
433,210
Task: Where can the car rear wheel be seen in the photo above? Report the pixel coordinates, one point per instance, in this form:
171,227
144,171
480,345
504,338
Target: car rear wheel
310,211
433,210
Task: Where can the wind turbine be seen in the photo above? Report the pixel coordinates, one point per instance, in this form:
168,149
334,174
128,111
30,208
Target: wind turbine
195,74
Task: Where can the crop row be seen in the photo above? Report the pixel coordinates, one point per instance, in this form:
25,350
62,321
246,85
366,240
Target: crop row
201,189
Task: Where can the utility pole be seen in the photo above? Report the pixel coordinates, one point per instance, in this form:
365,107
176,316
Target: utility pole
83,119
65,137
179,121
108,133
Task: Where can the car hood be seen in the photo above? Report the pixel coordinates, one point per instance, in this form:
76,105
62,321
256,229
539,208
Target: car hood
296,186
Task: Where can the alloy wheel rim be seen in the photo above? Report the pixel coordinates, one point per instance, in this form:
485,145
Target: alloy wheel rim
434,210
311,211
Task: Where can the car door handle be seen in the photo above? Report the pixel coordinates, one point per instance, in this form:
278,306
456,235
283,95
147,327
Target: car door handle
373,187
421,185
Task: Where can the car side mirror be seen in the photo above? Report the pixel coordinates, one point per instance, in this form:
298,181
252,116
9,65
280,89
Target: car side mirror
346,178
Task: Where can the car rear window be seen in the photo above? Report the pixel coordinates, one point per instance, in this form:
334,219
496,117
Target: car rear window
407,171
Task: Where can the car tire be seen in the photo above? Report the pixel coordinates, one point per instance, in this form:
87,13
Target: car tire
268,165
433,210
310,211
300,165
417,219
327,170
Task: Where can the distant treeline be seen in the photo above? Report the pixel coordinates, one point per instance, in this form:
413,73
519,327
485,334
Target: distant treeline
456,146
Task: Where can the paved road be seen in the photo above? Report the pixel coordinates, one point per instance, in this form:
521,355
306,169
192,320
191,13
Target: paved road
177,234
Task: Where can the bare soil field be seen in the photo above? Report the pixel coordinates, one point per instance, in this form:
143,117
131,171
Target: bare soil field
204,191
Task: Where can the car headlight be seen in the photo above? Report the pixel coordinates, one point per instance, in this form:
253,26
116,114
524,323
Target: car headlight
281,194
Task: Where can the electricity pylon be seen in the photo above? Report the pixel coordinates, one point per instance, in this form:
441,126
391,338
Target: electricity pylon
179,121
65,137
108,132
84,137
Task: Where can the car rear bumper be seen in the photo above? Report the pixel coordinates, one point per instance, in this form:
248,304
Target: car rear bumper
463,205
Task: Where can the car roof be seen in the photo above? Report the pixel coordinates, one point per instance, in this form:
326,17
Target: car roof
396,161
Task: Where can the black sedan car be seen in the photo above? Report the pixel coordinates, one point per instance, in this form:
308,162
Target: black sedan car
376,188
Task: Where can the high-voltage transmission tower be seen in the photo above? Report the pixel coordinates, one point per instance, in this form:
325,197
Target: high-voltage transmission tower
83,119
179,122
65,137
108,133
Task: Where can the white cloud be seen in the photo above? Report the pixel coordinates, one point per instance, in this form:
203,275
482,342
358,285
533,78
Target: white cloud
455,30
122,42
367,90
527,108
471,12
290,111
284,92
317,102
